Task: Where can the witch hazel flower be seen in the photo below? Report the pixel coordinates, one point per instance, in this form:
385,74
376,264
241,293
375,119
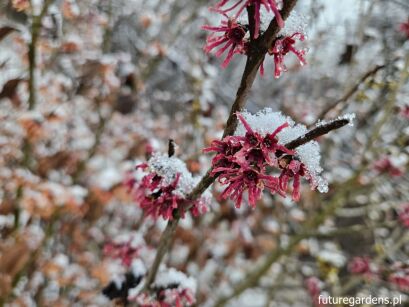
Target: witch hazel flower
241,163
123,251
285,43
292,168
404,28
244,178
401,279
160,187
363,266
125,247
388,165
230,35
281,47
404,215
240,5
314,287
246,161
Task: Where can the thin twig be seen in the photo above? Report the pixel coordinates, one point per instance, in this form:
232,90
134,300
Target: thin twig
165,240
81,165
358,228
256,53
317,132
32,54
351,91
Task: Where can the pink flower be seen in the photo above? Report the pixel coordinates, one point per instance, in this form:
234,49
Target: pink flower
404,28
385,165
258,148
245,178
404,111
270,5
314,285
226,150
404,215
125,252
160,199
242,161
360,265
291,168
401,279
231,35
282,46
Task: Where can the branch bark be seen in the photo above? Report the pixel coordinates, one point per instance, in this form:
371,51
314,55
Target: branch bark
32,54
257,51
317,132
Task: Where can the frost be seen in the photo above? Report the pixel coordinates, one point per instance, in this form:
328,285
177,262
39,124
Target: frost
168,167
266,121
349,117
295,23
173,277
263,122
138,268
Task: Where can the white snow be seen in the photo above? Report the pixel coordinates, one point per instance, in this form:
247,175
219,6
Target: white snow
172,276
138,268
295,23
168,167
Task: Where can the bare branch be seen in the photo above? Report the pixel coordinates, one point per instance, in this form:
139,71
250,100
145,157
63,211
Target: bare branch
317,132
352,91
257,51
32,53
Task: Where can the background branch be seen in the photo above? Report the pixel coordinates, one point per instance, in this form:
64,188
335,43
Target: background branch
351,91
32,53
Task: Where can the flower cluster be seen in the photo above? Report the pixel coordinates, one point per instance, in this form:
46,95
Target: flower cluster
404,215
231,34
126,252
404,28
396,273
161,185
388,165
246,160
400,279
282,46
361,265
314,288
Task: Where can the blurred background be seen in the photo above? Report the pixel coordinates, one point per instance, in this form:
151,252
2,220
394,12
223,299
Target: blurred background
89,88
